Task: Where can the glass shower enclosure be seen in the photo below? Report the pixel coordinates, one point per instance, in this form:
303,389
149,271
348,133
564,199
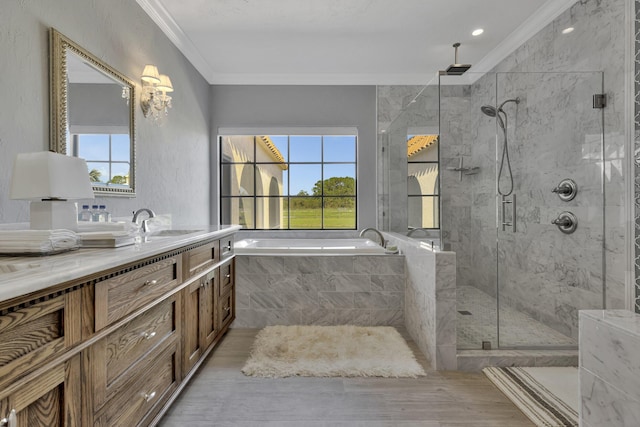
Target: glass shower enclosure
528,225
521,169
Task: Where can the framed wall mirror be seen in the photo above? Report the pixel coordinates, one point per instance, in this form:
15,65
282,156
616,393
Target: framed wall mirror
92,116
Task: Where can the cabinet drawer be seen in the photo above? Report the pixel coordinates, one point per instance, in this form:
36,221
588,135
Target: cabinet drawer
37,333
144,394
226,277
227,308
199,259
226,247
124,348
123,294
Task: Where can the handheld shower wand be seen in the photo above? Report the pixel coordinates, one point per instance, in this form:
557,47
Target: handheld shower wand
501,117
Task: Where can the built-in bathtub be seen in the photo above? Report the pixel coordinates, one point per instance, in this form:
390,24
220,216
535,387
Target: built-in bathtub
312,281
311,247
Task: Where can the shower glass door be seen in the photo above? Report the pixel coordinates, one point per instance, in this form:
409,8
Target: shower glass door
550,218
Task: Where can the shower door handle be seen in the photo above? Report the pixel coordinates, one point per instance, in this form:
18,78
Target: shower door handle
511,202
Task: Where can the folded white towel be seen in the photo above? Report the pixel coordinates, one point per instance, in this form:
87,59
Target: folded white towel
37,241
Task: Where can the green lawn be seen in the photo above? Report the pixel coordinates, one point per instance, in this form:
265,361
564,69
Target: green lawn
310,218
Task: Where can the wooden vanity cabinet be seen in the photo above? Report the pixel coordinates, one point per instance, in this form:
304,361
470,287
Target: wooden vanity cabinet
117,347
201,322
36,333
51,399
227,298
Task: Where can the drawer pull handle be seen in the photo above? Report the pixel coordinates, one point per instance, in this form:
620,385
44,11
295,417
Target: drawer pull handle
150,282
227,276
227,309
228,247
10,421
148,336
148,397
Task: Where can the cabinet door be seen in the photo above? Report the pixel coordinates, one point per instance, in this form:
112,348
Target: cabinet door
37,333
209,325
50,400
192,344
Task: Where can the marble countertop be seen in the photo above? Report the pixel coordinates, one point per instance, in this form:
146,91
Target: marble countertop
625,320
23,275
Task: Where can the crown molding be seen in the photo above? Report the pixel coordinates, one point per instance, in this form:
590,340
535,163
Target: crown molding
172,30
540,19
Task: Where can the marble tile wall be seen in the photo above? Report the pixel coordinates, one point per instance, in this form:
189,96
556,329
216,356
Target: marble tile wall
637,154
430,300
609,368
319,290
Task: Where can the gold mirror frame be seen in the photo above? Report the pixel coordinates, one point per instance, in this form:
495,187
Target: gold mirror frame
59,46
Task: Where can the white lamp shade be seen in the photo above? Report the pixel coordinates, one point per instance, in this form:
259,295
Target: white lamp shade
165,84
48,175
150,74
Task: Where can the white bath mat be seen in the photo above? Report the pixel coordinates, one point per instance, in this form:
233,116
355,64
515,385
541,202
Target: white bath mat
547,396
331,351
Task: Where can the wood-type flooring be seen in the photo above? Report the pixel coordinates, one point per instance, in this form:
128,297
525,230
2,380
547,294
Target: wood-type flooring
220,395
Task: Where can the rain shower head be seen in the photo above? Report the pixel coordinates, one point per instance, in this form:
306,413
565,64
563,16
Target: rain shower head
456,69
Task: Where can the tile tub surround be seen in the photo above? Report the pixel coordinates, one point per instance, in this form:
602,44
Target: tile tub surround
430,300
609,368
319,290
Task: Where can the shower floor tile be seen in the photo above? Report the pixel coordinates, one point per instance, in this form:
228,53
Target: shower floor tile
516,328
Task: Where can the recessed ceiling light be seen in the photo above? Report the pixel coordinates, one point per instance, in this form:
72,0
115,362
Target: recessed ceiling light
477,32
567,30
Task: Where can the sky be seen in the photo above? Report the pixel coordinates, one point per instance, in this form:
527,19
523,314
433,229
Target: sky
310,149
96,147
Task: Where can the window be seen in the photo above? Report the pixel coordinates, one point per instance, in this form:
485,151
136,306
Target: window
107,156
288,182
422,181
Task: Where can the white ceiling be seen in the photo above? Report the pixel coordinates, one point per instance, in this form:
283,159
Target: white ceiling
345,41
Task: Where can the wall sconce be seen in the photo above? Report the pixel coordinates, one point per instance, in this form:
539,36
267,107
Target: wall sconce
154,100
50,179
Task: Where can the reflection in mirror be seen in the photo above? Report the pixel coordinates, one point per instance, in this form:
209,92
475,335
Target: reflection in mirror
92,116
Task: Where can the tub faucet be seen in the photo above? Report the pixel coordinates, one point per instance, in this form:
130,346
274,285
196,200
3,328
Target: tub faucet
145,226
413,230
382,241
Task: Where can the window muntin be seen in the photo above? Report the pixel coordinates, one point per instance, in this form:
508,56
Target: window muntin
107,156
423,182
287,182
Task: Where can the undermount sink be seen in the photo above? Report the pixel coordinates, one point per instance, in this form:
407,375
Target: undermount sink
173,232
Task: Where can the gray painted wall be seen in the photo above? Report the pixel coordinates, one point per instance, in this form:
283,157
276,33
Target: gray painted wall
302,106
96,105
173,160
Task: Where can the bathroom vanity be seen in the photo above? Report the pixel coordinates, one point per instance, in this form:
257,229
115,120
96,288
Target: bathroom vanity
109,337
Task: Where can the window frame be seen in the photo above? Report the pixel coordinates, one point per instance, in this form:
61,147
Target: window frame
75,143
286,195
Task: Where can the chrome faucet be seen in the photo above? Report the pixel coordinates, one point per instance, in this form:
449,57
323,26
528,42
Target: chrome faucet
145,226
413,230
382,241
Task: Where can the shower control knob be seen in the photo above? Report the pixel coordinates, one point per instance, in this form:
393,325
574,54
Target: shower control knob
566,222
566,190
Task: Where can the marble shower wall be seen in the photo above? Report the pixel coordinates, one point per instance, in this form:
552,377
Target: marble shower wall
401,110
319,290
637,154
553,290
